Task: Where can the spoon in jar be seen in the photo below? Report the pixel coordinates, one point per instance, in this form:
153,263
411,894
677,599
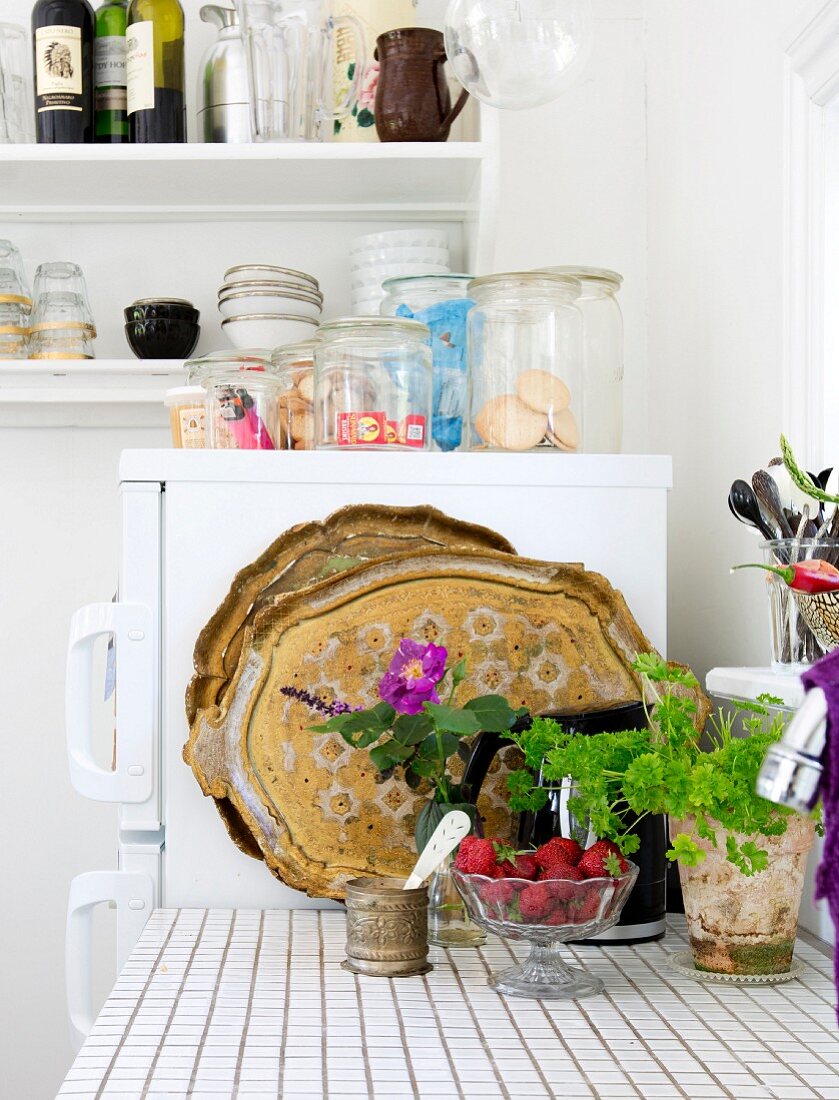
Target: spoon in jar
766,490
744,504
445,838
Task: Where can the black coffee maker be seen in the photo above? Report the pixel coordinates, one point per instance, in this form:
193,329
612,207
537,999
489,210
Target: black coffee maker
643,915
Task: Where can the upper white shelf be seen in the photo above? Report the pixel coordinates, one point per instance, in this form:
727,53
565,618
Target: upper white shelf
176,181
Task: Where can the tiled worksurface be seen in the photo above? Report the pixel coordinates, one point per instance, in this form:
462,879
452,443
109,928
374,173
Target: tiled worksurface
253,1004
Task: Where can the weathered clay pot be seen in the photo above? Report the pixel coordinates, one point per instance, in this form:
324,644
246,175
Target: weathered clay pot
740,924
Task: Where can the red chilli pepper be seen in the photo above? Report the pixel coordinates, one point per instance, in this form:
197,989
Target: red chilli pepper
811,576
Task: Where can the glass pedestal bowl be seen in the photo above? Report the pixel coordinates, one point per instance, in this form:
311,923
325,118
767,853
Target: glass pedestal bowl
545,914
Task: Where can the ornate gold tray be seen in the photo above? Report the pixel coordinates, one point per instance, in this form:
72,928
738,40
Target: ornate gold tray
548,636
307,554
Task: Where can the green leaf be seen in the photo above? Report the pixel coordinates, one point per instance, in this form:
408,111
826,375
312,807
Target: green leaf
413,777
388,754
686,850
493,712
428,819
411,729
459,672
452,719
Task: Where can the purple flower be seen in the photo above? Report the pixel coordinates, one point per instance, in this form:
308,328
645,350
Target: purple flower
329,709
413,675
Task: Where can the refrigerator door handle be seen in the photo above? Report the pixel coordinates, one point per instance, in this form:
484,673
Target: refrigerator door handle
133,628
133,895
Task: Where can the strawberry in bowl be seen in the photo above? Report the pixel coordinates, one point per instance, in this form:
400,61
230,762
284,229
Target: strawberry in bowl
558,892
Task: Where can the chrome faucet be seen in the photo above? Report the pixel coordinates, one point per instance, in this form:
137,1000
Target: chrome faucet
791,772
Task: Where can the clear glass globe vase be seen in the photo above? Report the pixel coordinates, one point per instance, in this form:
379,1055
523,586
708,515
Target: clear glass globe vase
516,54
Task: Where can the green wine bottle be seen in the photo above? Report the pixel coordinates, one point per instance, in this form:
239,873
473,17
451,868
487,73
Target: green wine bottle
111,123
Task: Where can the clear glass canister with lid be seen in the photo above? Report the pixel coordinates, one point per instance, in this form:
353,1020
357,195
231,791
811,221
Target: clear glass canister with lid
242,391
372,384
525,363
442,303
295,367
602,356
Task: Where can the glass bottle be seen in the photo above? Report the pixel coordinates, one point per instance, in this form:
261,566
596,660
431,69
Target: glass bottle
449,923
110,100
62,43
154,67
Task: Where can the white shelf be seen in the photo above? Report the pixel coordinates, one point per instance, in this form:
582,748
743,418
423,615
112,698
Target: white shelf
85,393
162,182
749,683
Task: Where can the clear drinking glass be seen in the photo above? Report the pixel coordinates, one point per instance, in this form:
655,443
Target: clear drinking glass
14,341
62,342
16,90
289,46
61,298
12,261
794,645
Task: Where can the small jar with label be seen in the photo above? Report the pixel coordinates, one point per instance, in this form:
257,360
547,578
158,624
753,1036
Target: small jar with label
372,384
187,416
442,303
241,403
525,363
295,367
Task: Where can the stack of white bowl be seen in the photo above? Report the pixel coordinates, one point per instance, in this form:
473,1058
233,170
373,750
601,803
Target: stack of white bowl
263,306
379,256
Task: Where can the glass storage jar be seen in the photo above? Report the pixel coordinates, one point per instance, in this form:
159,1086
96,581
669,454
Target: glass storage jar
372,384
602,357
441,302
187,416
295,367
525,362
242,391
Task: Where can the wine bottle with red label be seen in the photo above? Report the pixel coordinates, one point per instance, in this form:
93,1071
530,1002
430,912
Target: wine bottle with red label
62,42
154,66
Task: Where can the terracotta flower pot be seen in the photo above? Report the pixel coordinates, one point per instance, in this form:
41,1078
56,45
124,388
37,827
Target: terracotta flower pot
740,924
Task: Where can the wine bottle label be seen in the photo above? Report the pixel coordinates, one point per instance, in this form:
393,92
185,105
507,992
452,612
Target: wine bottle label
139,66
109,54
58,68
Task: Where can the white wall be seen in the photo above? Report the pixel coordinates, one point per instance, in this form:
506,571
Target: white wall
715,194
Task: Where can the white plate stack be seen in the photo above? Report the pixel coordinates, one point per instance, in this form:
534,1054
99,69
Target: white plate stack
263,306
379,256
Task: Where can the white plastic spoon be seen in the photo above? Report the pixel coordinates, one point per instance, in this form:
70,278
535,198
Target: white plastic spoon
445,838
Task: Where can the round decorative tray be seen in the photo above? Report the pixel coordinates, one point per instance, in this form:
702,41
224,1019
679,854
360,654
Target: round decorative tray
682,963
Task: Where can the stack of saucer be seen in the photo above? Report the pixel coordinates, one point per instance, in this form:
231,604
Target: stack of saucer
264,306
379,256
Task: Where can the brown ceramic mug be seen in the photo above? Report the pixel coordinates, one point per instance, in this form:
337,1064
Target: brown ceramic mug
412,98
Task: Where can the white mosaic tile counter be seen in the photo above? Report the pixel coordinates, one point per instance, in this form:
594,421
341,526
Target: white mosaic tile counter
220,1003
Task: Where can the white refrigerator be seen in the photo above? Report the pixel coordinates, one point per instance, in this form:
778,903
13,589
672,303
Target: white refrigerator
190,521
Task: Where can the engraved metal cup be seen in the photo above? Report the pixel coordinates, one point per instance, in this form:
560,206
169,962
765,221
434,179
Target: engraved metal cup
387,928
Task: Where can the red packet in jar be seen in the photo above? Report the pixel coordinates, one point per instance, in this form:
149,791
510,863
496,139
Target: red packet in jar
361,429
412,431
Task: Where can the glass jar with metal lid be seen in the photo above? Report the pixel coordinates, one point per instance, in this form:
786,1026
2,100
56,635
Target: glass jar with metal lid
372,384
602,356
295,368
242,391
525,362
442,303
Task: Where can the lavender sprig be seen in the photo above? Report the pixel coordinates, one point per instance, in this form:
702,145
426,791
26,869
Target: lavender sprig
329,709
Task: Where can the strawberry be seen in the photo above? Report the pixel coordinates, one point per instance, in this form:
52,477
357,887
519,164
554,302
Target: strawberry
603,860
499,893
523,867
476,856
562,882
535,902
560,915
558,849
561,871
589,909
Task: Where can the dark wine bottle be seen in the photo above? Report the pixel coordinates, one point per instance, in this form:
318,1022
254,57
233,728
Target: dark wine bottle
110,107
155,71
62,41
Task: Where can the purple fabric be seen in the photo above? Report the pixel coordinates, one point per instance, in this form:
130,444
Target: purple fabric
825,674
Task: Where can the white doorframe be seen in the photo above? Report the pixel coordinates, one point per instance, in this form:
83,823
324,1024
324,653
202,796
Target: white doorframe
812,83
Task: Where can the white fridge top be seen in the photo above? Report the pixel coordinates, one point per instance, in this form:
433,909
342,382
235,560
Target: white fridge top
369,468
